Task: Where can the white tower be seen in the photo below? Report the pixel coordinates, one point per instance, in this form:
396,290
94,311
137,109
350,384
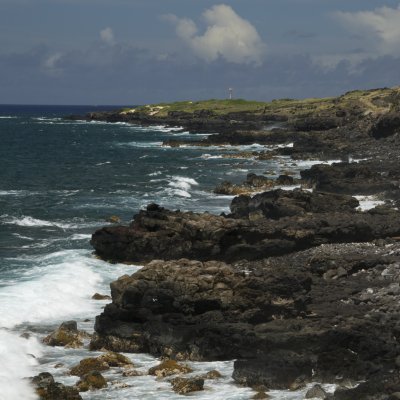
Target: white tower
230,93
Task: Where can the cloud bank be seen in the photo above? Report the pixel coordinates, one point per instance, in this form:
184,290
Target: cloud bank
382,23
227,35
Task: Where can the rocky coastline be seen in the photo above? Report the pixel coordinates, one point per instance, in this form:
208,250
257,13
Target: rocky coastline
297,286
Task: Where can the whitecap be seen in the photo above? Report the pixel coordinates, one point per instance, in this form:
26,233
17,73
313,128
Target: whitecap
7,117
368,202
18,357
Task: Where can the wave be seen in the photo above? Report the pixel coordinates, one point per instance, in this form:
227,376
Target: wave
27,221
8,117
368,202
142,144
18,356
181,182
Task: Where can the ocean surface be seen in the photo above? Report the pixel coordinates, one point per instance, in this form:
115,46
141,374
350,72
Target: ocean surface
61,180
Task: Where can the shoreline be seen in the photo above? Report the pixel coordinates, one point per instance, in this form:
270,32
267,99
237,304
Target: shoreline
295,285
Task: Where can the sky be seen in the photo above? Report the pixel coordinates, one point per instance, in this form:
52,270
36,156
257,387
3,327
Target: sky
128,52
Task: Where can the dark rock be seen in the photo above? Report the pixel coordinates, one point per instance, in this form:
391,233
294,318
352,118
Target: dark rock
387,125
348,178
160,233
281,203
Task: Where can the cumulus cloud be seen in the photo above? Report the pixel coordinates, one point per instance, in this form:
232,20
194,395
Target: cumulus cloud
107,36
227,35
383,23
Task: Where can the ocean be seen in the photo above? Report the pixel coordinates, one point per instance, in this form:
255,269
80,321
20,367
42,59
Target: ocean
60,180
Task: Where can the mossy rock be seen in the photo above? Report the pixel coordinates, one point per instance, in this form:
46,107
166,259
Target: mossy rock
187,385
98,296
91,381
101,363
87,365
115,359
169,367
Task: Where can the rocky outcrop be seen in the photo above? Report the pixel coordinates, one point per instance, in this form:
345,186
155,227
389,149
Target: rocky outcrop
158,233
277,204
351,178
320,310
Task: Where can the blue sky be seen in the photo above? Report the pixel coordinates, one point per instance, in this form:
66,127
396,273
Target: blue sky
141,51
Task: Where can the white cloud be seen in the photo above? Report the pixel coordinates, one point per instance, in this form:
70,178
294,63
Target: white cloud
382,23
107,36
50,63
227,35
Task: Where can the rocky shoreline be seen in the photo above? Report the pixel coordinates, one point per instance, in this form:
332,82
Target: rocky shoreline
297,286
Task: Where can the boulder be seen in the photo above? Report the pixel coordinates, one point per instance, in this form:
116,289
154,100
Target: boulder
169,367
67,335
187,385
47,389
93,380
316,392
100,363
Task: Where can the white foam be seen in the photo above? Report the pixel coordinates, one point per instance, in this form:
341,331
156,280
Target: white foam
18,357
142,144
27,221
210,157
368,202
183,183
7,117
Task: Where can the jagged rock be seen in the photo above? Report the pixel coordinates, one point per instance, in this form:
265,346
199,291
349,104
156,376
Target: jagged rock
47,389
158,233
187,385
169,367
387,125
279,203
100,363
93,380
67,335
349,178
213,374
114,219
316,392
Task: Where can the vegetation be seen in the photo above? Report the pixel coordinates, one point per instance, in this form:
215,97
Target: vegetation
368,100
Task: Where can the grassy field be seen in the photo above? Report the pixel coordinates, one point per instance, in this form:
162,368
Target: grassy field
378,100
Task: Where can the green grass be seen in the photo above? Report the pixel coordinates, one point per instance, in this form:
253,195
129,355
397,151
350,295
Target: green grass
284,107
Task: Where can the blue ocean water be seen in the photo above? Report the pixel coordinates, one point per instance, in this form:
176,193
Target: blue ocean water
59,181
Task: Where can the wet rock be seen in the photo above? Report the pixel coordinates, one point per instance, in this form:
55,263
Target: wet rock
213,374
98,296
316,392
47,389
67,335
114,219
169,367
159,233
187,385
93,380
100,363
261,395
